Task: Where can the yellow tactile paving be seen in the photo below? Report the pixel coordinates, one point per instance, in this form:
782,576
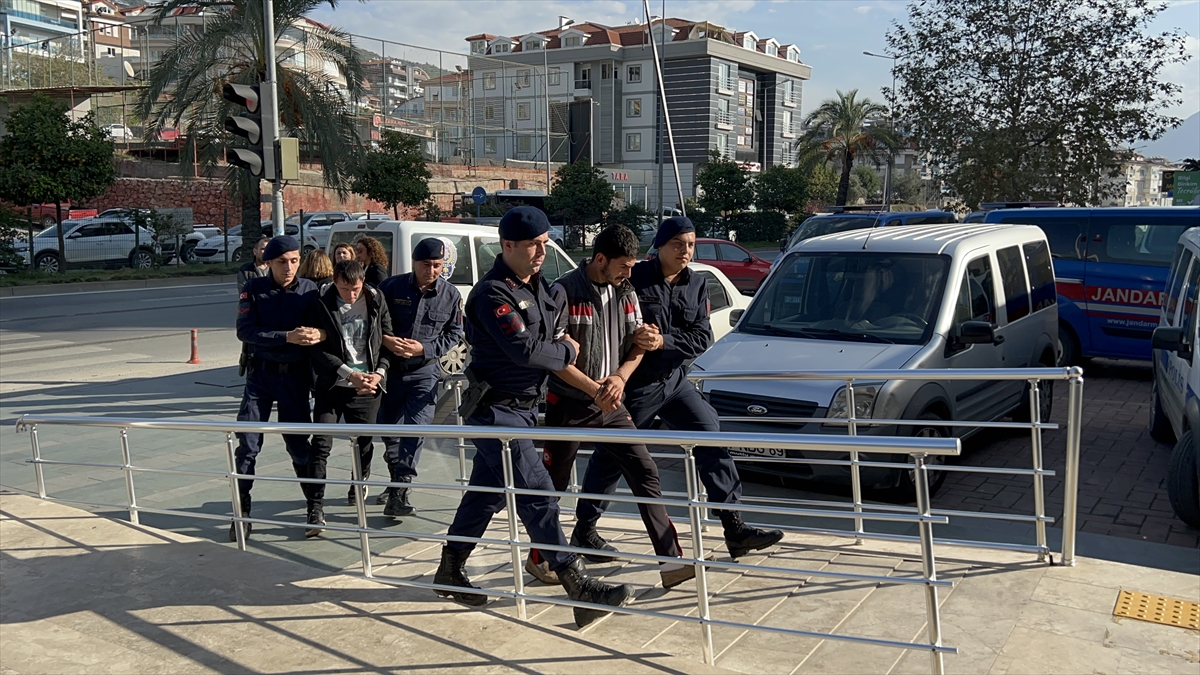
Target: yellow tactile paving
1158,609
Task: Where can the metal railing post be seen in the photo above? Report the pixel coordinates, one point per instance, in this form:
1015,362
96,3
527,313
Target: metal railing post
510,502
855,478
693,481
1071,484
462,442
37,460
235,493
128,470
1039,494
928,566
364,542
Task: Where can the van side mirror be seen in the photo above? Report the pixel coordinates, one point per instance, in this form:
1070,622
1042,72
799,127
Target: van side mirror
735,316
783,244
1170,338
977,333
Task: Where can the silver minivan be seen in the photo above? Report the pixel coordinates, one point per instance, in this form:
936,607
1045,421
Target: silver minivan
918,297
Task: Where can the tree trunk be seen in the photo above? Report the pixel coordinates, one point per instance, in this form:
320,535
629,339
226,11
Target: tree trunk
251,222
844,183
395,212
62,246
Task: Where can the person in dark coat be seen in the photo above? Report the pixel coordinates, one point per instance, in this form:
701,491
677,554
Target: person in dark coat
351,366
374,259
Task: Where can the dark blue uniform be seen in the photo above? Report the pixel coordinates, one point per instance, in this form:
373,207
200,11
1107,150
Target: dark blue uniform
433,318
279,372
659,387
510,327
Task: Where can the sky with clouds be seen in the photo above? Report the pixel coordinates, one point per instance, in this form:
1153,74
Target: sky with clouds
831,34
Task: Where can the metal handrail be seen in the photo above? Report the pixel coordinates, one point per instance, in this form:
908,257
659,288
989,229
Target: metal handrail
1072,375
918,448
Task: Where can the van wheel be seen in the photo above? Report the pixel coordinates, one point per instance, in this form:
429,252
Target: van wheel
1160,426
1183,484
455,360
906,491
1070,346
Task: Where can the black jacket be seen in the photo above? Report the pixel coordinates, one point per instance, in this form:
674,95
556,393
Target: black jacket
376,274
330,355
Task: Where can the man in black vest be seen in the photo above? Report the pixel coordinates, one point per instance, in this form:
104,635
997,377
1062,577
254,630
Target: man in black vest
599,309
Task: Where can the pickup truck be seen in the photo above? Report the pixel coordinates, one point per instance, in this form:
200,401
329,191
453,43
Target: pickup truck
47,214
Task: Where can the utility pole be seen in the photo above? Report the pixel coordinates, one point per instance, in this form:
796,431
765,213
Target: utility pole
270,117
887,175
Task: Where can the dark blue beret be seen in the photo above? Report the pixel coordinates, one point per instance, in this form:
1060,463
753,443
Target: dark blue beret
671,227
280,245
429,249
523,222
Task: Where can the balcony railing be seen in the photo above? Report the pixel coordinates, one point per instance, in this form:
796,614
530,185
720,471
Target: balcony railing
39,18
583,84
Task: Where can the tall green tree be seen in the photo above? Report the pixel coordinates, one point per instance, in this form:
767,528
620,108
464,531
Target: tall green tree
781,188
823,185
1191,165
49,158
727,187
842,129
580,196
869,181
184,90
395,173
1034,100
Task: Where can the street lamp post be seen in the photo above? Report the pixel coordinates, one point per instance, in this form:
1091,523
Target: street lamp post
887,176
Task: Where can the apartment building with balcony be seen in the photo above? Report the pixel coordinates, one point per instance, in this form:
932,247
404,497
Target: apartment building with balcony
448,112
45,25
393,82
731,92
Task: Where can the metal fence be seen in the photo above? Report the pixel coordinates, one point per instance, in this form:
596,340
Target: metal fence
1036,472
920,449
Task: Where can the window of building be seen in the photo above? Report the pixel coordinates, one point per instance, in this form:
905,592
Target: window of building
452,115
523,77
479,47
555,77
533,45
524,144
723,145
793,55
572,41
489,80
748,43
786,126
489,112
633,107
502,48
724,81
633,142
524,111
634,74
489,146
787,92
772,49
723,116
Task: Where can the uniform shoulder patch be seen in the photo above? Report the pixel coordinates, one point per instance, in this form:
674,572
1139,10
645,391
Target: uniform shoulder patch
512,285
503,309
244,296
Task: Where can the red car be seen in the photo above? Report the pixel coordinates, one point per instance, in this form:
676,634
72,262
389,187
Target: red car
746,270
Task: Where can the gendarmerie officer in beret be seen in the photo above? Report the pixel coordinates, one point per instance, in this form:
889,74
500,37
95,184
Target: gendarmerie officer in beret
427,323
675,331
270,310
510,319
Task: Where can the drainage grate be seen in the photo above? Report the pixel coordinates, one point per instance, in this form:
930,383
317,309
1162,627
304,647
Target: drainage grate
1158,609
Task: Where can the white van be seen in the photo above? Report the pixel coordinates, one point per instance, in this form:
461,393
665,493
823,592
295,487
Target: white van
473,252
913,297
1175,411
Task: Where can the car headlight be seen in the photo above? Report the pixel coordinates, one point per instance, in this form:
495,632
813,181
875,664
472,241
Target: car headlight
864,402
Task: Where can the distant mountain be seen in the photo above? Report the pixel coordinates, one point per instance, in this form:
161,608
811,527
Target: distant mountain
1180,143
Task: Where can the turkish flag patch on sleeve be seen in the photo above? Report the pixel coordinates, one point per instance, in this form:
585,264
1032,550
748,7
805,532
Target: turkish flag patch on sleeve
503,309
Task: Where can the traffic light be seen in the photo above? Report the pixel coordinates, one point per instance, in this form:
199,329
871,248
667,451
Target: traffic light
257,159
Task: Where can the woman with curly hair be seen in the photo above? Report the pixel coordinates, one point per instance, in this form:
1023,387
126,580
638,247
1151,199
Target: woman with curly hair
318,267
343,251
371,255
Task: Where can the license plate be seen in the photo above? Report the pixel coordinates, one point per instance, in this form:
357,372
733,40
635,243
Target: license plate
758,452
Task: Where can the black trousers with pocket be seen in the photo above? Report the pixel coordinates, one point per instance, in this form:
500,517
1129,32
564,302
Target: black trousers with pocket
355,408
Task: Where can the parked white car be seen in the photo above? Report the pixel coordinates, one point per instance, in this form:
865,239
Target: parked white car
212,250
917,297
119,132
92,242
1176,408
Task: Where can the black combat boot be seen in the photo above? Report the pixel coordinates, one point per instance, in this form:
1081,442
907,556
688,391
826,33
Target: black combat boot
397,505
352,493
582,588
586,536
450,573
316,518
245,514
383,497
741,538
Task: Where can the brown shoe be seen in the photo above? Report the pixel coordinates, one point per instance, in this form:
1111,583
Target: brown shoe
674,574
542,572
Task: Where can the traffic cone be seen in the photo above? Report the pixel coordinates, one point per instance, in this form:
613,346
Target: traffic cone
195,347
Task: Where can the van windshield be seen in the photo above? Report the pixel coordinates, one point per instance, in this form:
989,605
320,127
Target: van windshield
856,297
819,226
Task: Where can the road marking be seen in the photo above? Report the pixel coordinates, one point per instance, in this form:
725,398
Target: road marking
175,298
72,364
37,346
51,353
115,290
12,336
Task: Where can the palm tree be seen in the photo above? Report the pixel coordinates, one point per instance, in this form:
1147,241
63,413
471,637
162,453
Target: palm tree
838,131
184,90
